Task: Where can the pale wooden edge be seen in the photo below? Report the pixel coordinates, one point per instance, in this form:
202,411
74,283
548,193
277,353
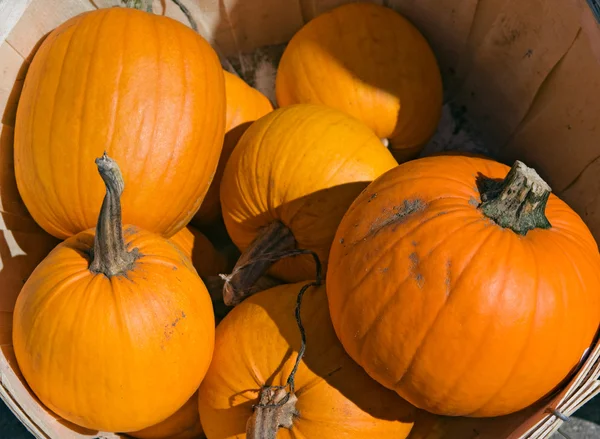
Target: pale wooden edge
580,390
6,394
10,13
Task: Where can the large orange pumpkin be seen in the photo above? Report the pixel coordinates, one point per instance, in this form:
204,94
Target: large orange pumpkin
244,105
114,330
372,63
183,424
256,348
467,290
143,87
207,260
288,183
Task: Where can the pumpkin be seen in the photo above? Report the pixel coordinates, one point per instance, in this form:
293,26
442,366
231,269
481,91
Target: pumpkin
143,87
207,260
183,424
287,185
244,105
332,397
114,330
468,289
372,63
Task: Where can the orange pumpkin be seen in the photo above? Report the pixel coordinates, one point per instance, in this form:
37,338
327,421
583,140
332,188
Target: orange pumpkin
183,424
207,260
256,348
287,185
371,63
143,87
244,105
467,290
107,317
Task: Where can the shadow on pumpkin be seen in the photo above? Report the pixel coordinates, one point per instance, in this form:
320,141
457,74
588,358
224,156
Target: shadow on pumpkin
327,380
313,219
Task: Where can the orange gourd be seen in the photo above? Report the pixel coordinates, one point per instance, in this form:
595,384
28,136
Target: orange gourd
287,185
114,330
371,63
468,289
244,105
256,348
207,260
143,87
183,424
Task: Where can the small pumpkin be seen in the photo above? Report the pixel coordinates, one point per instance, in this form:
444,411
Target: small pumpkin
372,63
143,87
468,289
183,424
244,105
207,260
256,349
107,317
287,185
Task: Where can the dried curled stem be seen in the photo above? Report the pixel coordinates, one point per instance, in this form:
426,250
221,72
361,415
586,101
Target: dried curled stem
277,404
272,243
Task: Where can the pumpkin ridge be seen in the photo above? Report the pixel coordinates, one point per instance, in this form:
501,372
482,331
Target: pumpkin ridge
116,94
44,187
499,297
436,318
83,111
396,295
179,118
56,291
576,270
527,339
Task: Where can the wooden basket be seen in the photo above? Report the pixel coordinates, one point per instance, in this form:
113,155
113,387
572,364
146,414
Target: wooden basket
522,80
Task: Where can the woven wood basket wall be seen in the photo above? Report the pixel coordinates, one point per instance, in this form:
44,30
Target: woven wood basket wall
522,80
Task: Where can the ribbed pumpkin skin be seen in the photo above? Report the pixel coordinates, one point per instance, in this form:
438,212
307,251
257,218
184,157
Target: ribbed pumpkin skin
120,353
371,63
207,260
256,345
457,314
302,165
144,88
183,424
244,105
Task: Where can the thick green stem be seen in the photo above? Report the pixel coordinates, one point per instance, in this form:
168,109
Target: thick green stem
110,256
519,201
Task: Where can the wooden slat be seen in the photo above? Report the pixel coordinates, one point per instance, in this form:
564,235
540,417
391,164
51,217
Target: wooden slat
41,17
311,8
11,82
560,134
10,13
244,26
446,26
512,61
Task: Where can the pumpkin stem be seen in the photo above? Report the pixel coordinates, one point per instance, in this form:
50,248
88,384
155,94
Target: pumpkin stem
519,201
110,255
276,409
277,406
142,5
273,242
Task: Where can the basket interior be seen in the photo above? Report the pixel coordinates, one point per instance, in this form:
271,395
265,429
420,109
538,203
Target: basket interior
521,80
